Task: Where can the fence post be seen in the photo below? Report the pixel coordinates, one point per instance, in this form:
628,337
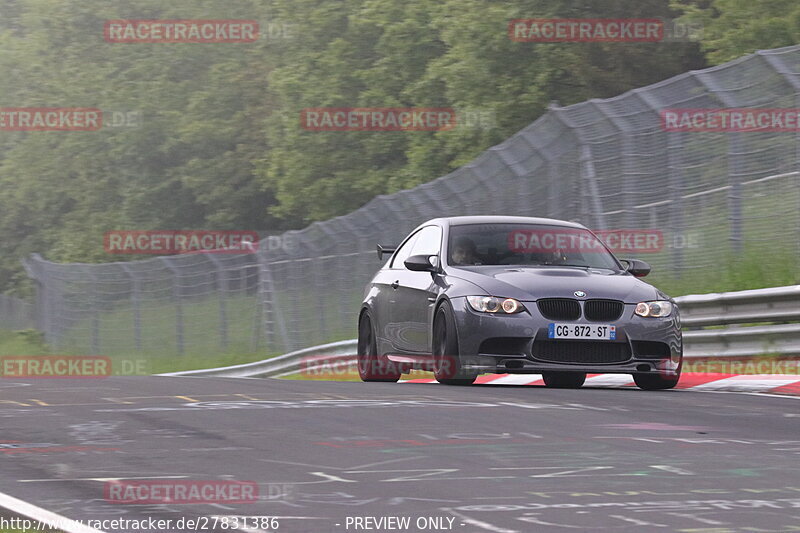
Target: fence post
222,290
787,71
177,294
6,311
318,270
735,192
94,305
31,266
628,183
272,319
676,207
734,167
626,165
588,173
554,202
137,311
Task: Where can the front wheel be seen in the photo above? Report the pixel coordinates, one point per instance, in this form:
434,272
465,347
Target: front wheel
564,380
447,362
370,365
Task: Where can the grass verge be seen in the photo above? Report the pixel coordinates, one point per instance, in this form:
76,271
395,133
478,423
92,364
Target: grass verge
31,343
211,341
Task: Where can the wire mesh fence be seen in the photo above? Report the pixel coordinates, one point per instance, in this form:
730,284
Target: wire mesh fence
604,163
16,314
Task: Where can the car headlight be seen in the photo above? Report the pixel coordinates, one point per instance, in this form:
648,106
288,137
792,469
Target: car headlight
657,309
490,304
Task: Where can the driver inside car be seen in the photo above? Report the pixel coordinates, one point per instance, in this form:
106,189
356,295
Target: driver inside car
465,252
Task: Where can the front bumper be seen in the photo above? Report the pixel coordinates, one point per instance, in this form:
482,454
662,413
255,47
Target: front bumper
495,343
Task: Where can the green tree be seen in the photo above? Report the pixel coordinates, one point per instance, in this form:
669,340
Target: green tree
733,28
386,53
187,164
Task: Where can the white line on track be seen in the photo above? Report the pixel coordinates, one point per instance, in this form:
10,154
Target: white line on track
44,516
99,479
478,523
605,380
756,384
515,379
673,469
747,383
750,393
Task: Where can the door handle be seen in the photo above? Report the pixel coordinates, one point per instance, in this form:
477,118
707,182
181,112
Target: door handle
396,284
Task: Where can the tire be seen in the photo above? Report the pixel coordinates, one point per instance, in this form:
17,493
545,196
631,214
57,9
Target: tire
371,367
447,362
564,380
658,381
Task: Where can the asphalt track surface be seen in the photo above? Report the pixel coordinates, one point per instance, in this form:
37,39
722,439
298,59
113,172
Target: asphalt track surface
467,459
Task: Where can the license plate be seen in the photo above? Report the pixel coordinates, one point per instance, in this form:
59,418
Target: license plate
602,332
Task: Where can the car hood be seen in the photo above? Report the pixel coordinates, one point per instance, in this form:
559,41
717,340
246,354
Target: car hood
532,283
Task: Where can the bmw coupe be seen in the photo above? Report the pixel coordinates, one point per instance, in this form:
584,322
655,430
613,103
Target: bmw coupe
465,296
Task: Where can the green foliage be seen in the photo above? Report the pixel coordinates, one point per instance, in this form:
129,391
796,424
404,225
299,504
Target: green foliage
127,361
458,54
754,269
219,144
733,28
187,164
23,342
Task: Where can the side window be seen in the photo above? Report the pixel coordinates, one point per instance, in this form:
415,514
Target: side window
404,252
429,241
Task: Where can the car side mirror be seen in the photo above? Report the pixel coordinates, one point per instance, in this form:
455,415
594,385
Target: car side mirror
637,267
421,263
385,249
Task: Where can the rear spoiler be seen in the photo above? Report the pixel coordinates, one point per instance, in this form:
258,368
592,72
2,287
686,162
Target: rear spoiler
390,249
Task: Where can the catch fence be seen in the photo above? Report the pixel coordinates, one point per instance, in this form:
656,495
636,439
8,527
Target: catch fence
605,163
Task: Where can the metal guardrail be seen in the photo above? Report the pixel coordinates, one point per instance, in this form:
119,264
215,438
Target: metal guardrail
282,365
761,322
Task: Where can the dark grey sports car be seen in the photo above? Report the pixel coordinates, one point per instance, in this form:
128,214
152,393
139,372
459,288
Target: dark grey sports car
465,296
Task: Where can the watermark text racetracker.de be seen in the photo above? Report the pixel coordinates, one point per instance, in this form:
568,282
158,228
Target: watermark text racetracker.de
71,366
180,31
186,492
66,119
622,240
55,366
169,242
50,119
327,367
199,523
731,120
748,367
394,118
583,30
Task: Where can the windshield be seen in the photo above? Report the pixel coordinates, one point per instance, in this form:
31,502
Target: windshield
526,244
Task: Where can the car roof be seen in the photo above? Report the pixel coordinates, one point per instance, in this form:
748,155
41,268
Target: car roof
499,219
